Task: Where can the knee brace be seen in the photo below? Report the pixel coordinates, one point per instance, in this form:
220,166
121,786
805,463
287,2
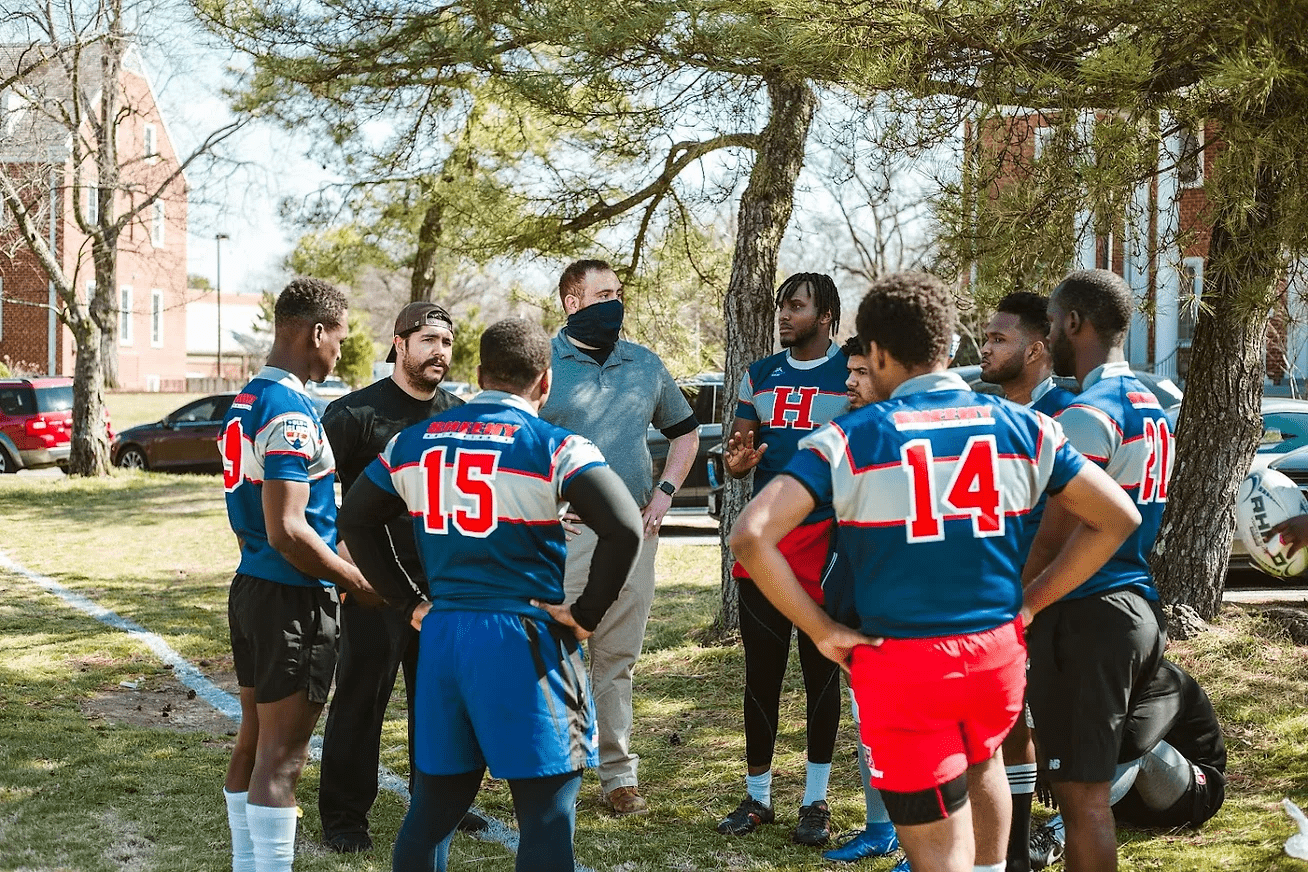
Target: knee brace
926,806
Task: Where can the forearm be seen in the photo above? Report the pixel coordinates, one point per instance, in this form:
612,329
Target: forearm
681,457
307,552
1085,551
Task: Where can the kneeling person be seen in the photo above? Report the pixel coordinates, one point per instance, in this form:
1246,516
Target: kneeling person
502,682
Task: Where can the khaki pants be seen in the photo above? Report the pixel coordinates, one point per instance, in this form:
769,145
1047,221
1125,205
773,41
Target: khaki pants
612,651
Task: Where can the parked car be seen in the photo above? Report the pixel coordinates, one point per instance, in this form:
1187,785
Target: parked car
36,423
185,440
704,393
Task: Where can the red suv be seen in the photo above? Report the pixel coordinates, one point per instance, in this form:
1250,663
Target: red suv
36,422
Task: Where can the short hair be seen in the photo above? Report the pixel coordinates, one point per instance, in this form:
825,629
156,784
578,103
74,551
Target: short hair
854,347
310,301
514,352
825,296
1102,298
910,315
575,273
1031,309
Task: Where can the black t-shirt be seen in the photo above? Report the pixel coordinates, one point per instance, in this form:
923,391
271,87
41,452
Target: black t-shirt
358,427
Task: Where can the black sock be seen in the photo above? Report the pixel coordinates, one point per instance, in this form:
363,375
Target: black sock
1019,837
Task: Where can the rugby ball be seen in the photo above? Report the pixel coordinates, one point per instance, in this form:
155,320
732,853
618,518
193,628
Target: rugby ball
1267,498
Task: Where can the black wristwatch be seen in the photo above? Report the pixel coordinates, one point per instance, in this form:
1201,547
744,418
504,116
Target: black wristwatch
667,487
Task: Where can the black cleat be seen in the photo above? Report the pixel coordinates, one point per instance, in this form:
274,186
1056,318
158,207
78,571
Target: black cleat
814,827
747,817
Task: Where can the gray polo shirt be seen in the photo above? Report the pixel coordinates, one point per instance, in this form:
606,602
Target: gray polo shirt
614,404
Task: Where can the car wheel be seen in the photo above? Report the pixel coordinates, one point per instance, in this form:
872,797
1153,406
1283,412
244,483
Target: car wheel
7,463
132,457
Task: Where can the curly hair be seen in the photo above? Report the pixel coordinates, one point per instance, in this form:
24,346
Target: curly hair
575,273
911,316
1101,297
823,288
514,352
1032,311
854,347
310,301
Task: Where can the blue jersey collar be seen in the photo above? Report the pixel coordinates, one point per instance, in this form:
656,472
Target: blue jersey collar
931,381
1040,390
1116,369
504,398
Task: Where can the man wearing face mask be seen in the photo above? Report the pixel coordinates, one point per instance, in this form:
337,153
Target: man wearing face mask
375,642
610,391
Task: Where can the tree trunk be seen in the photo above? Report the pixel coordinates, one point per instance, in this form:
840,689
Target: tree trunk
90,448
422,284
761,224
1220,420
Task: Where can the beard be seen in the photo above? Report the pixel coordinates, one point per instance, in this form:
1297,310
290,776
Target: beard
1064,356
1005,372
799,337
418,375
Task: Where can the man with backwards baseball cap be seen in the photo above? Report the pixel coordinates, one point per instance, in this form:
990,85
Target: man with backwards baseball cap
376,642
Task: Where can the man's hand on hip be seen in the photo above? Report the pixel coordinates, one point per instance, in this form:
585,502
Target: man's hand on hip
654,510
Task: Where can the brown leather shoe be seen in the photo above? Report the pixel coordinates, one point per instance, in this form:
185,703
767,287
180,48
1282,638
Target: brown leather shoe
623,801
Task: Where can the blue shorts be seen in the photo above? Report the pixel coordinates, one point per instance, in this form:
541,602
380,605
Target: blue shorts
503,691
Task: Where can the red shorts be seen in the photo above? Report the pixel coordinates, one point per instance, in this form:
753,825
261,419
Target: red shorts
933,707
805,549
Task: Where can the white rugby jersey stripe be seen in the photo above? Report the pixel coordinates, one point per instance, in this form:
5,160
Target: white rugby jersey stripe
520,497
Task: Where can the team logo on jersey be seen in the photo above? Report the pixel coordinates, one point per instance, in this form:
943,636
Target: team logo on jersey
297,432
793,407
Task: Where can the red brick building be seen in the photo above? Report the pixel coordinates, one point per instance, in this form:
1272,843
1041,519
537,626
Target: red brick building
53,173
1157,241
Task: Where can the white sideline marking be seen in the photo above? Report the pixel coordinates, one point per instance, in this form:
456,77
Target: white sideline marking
496,831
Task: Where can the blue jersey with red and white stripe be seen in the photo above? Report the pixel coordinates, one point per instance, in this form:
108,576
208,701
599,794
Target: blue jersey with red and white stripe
790,399
926,488
1048,399
484,483
272,432
1118,423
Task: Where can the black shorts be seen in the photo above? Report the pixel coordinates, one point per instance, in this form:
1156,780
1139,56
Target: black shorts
1090,659
283,637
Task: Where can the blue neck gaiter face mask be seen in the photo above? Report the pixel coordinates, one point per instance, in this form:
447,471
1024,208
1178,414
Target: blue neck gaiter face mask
597,325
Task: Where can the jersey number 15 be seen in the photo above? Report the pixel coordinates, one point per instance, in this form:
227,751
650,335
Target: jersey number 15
470,489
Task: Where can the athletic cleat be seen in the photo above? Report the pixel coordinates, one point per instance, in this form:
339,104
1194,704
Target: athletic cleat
747,817
1046,847
878,840
349,843
902,866
814,827
473,823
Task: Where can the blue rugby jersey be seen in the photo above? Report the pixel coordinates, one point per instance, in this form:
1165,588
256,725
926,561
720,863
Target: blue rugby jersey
484,483
1048,399
272,432
1118,423
925,488
790,399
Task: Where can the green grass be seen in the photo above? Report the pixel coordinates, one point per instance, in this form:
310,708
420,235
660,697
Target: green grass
128,410
91,793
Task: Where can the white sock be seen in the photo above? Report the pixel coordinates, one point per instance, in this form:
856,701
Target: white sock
998,867
816,778
760,787
273,832
1021,778
242,847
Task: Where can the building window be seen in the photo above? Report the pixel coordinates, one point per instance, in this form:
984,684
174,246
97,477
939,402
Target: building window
1190,163
92,205
1187,299
125,315
151,142
156,318
157,225
1043,136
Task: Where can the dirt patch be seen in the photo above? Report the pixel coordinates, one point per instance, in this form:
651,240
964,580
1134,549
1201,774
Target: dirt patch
162,702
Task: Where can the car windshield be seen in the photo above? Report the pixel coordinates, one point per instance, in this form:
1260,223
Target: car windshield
54,399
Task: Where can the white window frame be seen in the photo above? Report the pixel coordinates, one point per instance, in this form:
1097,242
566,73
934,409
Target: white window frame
158,220
1187,297
1043,135
125,315
156,318
92,205
150,135
1196,155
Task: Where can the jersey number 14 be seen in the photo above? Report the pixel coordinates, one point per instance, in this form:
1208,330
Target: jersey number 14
973,490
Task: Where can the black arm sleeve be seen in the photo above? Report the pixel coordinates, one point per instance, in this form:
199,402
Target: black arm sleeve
681,428
606,506
361,522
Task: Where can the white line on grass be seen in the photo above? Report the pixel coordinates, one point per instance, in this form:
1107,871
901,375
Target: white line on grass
496,831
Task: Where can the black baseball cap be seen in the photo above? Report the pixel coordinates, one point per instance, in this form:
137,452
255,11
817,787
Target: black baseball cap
415,316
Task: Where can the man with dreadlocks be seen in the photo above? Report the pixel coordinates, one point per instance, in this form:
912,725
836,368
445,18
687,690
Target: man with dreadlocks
782,399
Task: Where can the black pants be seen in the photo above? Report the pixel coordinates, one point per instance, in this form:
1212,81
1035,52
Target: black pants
765,633
374,643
